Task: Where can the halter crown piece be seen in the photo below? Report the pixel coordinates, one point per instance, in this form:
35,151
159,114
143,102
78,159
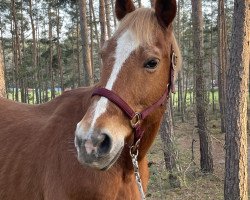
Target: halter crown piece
136,118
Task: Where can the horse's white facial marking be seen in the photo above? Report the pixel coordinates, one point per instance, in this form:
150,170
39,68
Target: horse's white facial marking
126,44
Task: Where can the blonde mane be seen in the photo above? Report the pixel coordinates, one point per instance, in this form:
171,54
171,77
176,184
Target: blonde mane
144,25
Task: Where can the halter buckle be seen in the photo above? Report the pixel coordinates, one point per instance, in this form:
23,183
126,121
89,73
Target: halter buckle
136,120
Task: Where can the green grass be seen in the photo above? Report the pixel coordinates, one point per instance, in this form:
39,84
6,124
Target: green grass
32,99
190,95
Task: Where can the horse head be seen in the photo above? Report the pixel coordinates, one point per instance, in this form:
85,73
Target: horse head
136,64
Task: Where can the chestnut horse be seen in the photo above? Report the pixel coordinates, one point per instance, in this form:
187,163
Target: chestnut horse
77,145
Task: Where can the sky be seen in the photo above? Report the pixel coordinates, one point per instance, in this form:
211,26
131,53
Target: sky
145,3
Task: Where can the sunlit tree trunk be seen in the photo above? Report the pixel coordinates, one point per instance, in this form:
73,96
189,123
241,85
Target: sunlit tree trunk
91,34
235,185
16,48
212,68
108,19
152,3
95,22
222,52
139,3
185,92
2,78
74,64
38,70
113,13
3,83
206,159
187,81
59,50
180,77
95,36
78,50
13,71
51,73
87,68
102,21
34,51
22,80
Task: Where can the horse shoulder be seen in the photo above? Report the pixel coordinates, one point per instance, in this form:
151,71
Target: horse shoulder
27,135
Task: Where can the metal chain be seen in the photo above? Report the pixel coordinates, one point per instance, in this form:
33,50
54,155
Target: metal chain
134,155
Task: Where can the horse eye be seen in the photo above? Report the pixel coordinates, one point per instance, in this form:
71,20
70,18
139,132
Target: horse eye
152,64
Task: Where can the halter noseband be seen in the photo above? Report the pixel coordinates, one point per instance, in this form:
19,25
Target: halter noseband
136,118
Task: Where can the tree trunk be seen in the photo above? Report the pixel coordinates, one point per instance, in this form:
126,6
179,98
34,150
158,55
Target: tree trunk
186,92
180,81
152,3
38,70
206,159
139,3
95,23
113,12
22,52
222,52
107,10
59,50
96,67
34,51
74,65
13,60
169,147
212,68
2,78
87,68
51,73
3,61
102,21
78,51
91,34
16,49
235,185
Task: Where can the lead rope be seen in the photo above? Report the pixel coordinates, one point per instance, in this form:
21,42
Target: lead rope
134,155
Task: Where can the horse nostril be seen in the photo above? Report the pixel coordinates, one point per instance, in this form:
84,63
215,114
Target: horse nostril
78,141
105,145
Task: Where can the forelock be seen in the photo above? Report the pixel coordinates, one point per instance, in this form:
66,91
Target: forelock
143,24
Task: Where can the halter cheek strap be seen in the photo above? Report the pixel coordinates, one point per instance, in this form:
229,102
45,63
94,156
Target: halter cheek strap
136,118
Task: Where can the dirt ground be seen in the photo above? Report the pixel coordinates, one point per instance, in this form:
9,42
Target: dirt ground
195,185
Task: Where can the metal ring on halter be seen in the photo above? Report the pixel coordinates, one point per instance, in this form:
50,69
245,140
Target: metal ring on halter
136,120
133,150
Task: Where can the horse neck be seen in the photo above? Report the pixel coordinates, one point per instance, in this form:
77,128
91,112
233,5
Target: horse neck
150,127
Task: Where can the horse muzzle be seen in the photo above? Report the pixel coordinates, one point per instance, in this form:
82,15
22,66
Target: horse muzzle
99,151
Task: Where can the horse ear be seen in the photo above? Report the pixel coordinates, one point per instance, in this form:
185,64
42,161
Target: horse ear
165,11
123,7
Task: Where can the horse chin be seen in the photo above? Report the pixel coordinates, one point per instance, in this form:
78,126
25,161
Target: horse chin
102,164
111,163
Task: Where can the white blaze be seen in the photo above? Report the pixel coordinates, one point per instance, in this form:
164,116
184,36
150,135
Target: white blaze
126,44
